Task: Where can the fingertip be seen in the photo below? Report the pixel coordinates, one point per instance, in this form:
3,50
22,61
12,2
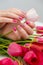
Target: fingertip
31,24
14,28
20,18
15,20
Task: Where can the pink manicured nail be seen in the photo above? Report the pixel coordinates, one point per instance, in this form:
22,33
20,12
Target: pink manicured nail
14,28
27,22
22,25
14,20
20,18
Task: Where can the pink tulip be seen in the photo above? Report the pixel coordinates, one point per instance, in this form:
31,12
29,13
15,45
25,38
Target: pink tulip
16,63
14,49
7,61
40,40
27,44
0,62
24,50
39,29
38,52
31,58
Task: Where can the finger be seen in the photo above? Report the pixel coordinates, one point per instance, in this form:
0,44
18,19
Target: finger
11,35
17,11
31,24
9,15
6,20
22,32
27,28
16,33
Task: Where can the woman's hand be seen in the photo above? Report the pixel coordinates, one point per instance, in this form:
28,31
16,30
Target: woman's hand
9,15
21,31
13,17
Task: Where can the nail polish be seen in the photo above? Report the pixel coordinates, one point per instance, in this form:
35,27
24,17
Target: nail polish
20,18
14,20
14,28
27,22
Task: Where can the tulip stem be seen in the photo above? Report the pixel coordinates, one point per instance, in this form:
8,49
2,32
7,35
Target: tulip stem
29,36
9,55
3,46
7,33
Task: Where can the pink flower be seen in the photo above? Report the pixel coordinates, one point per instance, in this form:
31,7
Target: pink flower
40,40
38,52
0,62
7,61
31,58
24,50
39,29
16,63
14,49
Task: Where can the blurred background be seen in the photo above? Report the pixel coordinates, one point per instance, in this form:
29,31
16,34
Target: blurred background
24,5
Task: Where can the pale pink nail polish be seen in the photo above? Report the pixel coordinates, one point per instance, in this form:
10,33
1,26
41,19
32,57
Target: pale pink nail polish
20,18
14,28
27,22
14,20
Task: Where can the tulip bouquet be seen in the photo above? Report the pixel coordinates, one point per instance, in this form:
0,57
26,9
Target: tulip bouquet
23,52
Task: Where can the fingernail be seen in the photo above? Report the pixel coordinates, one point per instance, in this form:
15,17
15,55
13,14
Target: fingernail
14,20
14,28
20,18
27,22
22,25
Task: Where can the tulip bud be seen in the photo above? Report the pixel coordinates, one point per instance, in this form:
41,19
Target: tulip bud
38,40
16,62
24,50
0,62
14,49
7,61
39,29
38,52
31,58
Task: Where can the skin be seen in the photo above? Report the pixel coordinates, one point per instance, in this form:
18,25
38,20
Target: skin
7,23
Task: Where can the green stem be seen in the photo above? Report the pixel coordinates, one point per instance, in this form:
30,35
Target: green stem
3,46
22,41
8,33
12,31
9,55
